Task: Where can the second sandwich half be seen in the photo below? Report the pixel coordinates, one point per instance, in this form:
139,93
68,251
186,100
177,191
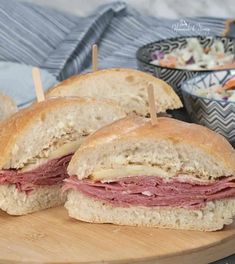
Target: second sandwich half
36,146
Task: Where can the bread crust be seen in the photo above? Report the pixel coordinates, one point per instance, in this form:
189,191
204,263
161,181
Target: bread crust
7,107
165,96
175,131
16,126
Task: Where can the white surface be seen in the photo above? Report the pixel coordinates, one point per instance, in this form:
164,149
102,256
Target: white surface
164,8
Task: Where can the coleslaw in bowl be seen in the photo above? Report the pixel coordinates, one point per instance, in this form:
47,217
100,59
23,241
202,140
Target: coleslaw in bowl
195,56
210,101
205,48
224,91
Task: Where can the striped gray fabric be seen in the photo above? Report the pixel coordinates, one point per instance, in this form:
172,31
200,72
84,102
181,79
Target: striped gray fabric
61,43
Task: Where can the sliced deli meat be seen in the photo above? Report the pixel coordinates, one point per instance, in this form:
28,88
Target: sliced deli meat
152,191
50,173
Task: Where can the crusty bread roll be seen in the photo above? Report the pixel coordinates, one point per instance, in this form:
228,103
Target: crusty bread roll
172,175
45,133
170,147
7,107
125,86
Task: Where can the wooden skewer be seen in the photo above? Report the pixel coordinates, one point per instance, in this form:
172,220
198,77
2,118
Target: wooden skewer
152,105
38,84
94,57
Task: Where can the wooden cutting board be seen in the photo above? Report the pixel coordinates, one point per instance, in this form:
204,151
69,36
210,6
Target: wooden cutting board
51,236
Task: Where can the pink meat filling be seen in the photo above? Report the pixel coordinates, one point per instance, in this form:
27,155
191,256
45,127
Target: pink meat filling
51,173
154,191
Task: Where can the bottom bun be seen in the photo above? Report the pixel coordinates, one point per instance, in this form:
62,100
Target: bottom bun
19,203
210,218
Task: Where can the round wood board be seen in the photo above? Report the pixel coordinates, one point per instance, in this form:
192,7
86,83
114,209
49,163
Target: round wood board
50,236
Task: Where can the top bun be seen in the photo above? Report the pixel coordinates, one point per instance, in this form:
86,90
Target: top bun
125,86
170,148
50,123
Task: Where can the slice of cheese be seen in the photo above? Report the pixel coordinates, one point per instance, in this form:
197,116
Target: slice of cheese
109,175
66,149
63,150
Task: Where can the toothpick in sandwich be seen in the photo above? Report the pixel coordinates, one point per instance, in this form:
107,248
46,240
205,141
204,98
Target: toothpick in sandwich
94,57
152,105
38,84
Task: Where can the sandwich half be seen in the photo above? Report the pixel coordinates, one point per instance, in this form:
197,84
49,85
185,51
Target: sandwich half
7,107
172,175
37,144
124,86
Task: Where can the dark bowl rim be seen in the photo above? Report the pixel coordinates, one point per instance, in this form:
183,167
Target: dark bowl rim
138,57
183,90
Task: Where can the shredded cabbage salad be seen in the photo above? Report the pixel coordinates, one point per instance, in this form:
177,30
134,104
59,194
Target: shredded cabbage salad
195,57
225,92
